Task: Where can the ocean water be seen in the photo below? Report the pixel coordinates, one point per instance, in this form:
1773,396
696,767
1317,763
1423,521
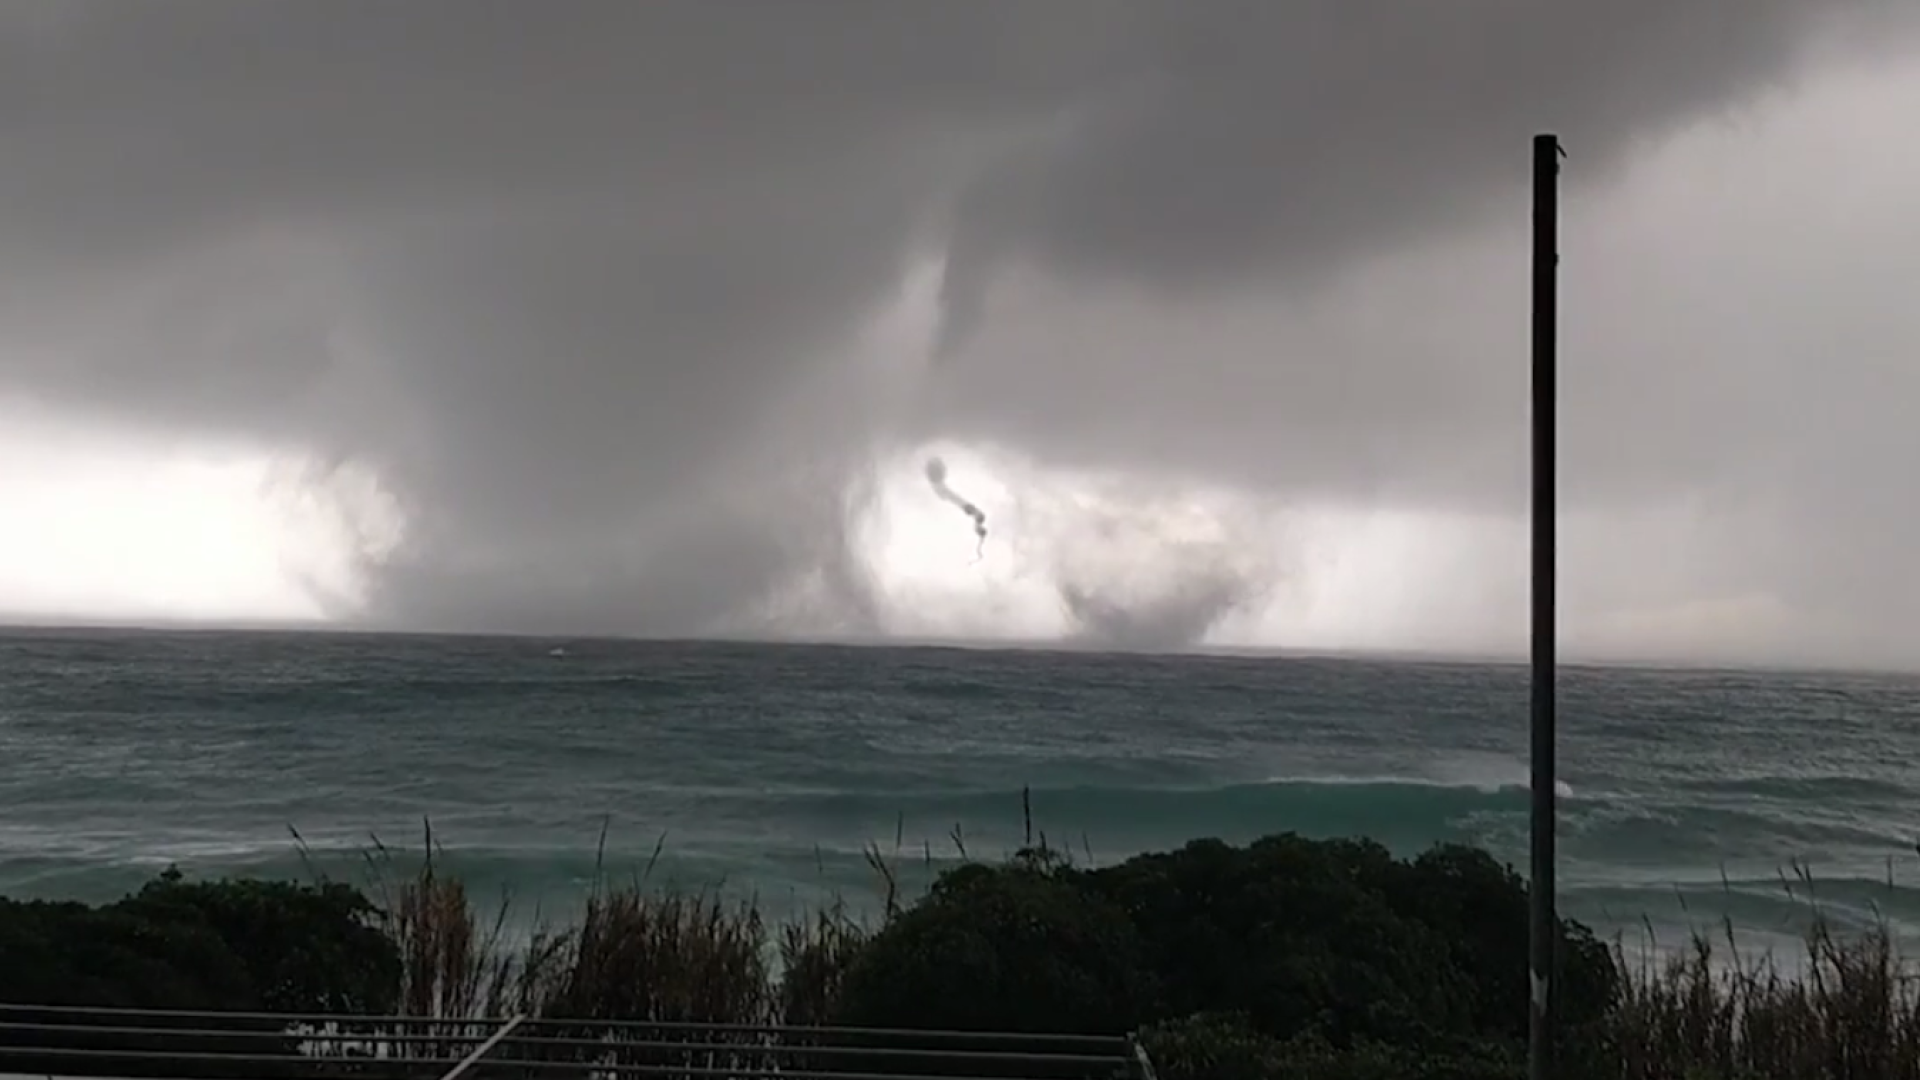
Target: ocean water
1689,797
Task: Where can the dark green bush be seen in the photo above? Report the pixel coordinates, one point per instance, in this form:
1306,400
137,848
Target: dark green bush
305,948
1479,907
1020,948
71,954
1296,935
229,945
232,947
1333,945
1342,940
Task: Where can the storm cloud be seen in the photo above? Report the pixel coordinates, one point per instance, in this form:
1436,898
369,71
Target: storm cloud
586,284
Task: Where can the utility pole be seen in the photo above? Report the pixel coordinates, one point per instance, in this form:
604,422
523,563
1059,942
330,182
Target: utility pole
1544,936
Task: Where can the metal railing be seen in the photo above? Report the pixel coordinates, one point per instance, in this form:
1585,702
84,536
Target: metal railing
143,1044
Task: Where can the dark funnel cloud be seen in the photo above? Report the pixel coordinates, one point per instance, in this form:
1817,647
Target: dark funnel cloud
585,283
936,469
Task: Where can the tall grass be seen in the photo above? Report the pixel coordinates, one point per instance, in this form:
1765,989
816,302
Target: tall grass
636,951
644,952
1851,1010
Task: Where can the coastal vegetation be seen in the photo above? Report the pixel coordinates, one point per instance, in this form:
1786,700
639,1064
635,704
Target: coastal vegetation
1284,958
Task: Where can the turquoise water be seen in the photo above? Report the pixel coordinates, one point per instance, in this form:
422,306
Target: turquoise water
1688,794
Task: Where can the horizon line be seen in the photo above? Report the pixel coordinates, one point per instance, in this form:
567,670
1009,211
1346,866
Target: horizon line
14,626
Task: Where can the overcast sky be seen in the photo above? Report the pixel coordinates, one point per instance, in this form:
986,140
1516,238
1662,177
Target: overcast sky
641,318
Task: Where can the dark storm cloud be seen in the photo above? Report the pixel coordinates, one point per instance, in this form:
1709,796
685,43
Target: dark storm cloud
581,280
1247,135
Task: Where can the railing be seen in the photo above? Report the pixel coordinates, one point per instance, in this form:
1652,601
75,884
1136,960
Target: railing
140,1044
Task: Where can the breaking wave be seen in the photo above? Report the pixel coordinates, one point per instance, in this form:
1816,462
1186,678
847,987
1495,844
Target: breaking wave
1402,813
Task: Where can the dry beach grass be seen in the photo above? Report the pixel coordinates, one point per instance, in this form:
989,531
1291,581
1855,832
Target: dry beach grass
1848,1007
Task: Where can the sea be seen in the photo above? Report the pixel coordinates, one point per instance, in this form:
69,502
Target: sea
1714,800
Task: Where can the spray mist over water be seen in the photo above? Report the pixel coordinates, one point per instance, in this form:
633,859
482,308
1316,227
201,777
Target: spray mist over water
1136,568
937,476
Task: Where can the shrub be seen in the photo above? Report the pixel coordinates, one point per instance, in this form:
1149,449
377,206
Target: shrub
1340,940
71,954
226,946
305,948
1297,935
1479,907
235,945
1020,948
1336,943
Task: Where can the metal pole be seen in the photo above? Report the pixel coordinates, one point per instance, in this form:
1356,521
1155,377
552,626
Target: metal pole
1543,939
484,1048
